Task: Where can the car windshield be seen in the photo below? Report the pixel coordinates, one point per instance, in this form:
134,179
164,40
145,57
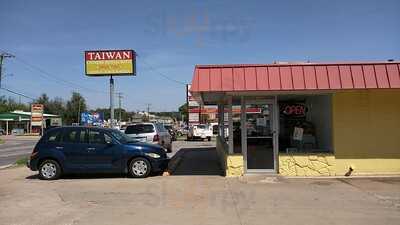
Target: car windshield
139,129
121,137
202,126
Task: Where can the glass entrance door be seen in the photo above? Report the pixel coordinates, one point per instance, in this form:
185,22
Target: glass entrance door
260,130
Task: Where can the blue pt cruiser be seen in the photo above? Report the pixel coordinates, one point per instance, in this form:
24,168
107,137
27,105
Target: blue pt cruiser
94,150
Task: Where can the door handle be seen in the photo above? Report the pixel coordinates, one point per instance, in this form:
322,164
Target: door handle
59,148
91,149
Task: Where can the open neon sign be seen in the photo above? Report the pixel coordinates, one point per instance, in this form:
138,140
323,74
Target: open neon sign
296,110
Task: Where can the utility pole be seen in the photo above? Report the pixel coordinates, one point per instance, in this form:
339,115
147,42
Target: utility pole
112,101
79,111
119,95
3,55
148,111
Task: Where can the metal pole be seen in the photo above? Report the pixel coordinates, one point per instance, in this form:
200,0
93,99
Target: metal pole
187,105
1,68
2,56
120,109
112,101
79,111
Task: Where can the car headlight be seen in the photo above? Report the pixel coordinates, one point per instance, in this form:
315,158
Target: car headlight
153,155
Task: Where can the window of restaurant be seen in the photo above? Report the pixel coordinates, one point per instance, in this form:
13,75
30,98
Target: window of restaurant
305,123
237,131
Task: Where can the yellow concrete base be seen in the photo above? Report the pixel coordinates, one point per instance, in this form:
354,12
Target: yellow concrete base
313,164
307,164
234,165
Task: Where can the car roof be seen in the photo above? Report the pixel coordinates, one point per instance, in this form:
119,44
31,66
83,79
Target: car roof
81,127
141,124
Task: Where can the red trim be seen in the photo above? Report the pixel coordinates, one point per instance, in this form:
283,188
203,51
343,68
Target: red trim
296,76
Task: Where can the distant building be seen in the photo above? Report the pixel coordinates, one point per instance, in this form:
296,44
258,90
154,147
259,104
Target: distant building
20,119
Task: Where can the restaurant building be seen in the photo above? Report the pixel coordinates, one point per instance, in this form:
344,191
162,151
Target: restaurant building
305,119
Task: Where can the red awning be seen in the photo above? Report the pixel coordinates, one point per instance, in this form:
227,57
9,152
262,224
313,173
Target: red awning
296,76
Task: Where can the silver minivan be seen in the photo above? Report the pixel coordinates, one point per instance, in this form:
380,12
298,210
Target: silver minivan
154,133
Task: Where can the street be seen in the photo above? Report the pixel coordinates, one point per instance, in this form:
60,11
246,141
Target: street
15,148
196,194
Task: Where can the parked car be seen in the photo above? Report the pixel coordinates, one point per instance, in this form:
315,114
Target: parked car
65,150
154,133
123,128
2,131
182,131
171,131
201,131
17,131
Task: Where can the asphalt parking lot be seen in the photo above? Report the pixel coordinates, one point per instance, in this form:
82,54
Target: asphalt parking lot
195,193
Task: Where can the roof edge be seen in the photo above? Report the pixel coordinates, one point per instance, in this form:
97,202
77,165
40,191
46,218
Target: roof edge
296,64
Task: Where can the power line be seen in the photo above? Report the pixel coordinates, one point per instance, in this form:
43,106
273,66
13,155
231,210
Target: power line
17,93
161,74
54,78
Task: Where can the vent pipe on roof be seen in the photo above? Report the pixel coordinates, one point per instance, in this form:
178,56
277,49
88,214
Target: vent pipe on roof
291,62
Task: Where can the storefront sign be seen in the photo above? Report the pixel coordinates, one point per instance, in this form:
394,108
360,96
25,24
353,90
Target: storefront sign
95,118
194,117
55,122
37,114
110,62
293,110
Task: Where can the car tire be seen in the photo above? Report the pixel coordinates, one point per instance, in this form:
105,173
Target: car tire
139,168
49,170
208,138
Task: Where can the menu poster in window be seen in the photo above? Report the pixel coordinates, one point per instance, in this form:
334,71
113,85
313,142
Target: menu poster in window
298,133
262,122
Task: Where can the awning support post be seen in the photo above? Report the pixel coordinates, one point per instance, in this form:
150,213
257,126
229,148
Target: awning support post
6,127
221,120
230,125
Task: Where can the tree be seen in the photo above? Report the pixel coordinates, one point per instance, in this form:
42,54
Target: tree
9,104
56,106
183,109
74,107
44,100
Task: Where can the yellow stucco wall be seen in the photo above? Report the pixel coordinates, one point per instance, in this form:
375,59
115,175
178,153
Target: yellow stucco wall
366,131
298,164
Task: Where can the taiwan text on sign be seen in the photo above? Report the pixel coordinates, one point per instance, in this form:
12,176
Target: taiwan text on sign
110,62
36,114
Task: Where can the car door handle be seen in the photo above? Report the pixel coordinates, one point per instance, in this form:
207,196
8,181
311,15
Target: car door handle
59,148
91,149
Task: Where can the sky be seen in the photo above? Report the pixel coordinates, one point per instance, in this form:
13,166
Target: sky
49,38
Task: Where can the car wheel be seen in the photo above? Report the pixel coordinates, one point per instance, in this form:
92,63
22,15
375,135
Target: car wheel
139,168
49,170
208,138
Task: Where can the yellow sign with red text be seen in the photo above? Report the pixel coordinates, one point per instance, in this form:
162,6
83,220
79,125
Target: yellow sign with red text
110,62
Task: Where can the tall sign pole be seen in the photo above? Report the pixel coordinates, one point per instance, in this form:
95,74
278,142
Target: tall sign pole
112,101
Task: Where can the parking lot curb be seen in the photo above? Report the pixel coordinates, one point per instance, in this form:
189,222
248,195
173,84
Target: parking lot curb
6,166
